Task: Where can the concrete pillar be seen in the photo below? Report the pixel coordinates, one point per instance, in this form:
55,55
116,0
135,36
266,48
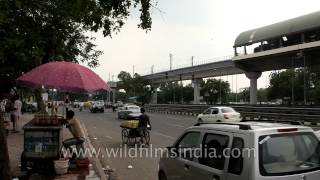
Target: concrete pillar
253,76
196,90
154,94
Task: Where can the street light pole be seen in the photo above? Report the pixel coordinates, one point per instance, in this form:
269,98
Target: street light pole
304,81
170,55
220,91
292,83
191,60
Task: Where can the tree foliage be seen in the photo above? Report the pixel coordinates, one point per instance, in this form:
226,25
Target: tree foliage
34,32
173,92
134,86
213,88
285,83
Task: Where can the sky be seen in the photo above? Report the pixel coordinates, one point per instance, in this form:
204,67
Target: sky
205,29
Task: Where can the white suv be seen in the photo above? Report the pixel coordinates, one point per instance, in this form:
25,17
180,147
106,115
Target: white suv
243,151
219,114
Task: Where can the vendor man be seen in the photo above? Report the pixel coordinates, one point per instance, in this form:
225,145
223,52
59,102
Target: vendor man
76,130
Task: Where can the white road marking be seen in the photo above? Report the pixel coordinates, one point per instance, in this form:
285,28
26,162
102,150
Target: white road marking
109,137
175,125
173,118
160,134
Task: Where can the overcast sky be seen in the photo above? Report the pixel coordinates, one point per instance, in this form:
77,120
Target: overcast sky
205,29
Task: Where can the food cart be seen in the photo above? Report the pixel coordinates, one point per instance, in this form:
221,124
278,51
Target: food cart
42,143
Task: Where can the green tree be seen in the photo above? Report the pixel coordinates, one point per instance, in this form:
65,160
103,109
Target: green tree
263,95
134,86
314,91
284,83
171,92
213,89
33,32
244,94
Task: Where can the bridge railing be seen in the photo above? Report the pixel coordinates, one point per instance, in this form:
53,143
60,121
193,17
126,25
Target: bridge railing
304,113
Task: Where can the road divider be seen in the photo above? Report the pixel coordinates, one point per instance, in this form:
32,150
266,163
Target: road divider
307,115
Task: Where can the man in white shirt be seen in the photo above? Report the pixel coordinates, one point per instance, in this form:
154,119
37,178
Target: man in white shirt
16,113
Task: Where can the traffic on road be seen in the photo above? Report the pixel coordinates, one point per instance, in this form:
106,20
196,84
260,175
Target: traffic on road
181,147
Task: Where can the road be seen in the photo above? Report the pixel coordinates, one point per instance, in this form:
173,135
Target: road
107,133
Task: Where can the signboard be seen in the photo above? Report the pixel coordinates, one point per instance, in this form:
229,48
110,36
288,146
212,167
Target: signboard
41,144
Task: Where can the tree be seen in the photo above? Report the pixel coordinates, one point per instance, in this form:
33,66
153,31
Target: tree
263,95
244,94
213,89
33,32
134,86
283,83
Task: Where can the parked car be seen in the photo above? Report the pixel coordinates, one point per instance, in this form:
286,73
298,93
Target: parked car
124,111
264,151
97,106
219,114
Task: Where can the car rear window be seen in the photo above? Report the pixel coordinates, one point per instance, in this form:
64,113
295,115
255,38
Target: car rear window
288,154
227,110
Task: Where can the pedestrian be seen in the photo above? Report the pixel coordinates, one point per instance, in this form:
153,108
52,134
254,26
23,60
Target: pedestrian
54,108
16,113
144,125
77,132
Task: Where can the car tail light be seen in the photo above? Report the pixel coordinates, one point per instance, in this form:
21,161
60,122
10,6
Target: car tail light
288,130
225,116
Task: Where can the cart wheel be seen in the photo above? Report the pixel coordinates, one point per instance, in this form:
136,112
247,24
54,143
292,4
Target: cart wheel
146,137
132,140
125,136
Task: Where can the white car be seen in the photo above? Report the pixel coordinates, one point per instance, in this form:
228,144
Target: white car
124,111
219,114
97,106
243,151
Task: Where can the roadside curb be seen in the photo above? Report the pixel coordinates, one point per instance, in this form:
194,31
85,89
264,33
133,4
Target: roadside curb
95,161
105,173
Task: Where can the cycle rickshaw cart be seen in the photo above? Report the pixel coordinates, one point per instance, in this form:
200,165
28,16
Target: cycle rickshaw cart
130,133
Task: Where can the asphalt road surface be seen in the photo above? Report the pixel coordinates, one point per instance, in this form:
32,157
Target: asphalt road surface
105,128
129,164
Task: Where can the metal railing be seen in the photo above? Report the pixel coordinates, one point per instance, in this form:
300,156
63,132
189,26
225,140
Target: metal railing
303,113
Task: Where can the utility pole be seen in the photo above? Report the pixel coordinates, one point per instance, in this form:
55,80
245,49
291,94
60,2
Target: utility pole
292,83
220,91
236,88
304,81
132,71
170,61
191,60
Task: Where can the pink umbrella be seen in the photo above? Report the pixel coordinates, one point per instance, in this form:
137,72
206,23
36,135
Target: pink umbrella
63,76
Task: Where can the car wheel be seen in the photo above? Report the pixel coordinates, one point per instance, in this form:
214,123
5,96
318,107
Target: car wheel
218,120
162,176
200,120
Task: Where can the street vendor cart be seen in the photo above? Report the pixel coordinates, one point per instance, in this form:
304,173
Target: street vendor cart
42,144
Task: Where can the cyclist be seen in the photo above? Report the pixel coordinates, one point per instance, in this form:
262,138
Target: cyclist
144,122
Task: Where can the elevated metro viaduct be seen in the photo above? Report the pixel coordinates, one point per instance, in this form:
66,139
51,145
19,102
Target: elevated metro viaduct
289,44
